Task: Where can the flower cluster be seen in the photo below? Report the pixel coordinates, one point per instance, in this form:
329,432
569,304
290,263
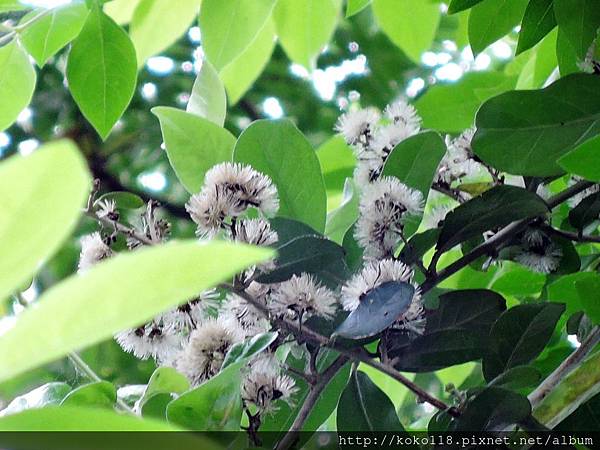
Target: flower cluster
538,252
459,161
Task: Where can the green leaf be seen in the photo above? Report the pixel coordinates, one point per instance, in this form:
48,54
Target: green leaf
493,409
525,132
239,75
588,290
305,28
586,212
461,5
579,20
156,25
228,28
48,35
497,207
121,11
119,293
69,418
342,218
518,378
583,160
52,184
452,107
541,63
418,245
492,19
248,348
100,394
566,55
563,290
518,281
208,99
311,254
337,163
410,24
123,199
278,149
355,6
215,405
365,407
194,145
164,382
520,335
538,21
102,71
48,394
17,82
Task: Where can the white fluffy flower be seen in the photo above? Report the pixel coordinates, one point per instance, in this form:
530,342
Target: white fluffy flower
301,297
383,208
185,317
229,190
264,384
542,259
458,161
152,340
357,127
254,232
107,209
93,250
373,275
239,313
203,355
402,113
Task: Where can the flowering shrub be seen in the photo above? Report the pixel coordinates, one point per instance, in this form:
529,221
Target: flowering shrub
442,248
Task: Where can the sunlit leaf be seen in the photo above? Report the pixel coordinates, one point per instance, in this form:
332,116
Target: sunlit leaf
492,19
16,84
208,99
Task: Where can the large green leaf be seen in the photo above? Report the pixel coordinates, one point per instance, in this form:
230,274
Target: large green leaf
452,107
215,405
541,63
164,380
123,292
538,21
208,99
588,290
461,5
52,184
279,150
100,394
156,24
579,20
229,27
586,211
17,82
355,6
583,161
525,132
520,335
492,19
496,207
410,24
564,290
194,144
102,71
121,11
239,75
365,407
48,35
305,28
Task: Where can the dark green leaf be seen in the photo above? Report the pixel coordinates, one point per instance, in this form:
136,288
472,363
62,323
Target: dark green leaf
378,310
492,19
538,22
517,378
583,419
525,132
365,407
583,161
102,71
249,347
461,5
418,245
289,229
279,150
101,394
497,207
586,212
354,253
215,405
520,335
494,409
194,145
579,20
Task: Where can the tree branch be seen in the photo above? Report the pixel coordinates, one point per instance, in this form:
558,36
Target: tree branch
570,236
453,193
314,393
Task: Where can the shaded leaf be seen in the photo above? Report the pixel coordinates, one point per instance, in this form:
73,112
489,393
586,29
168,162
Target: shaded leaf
208,99
537,22
579,20
588,290
518,377
583,160
586,212
461,5
418,245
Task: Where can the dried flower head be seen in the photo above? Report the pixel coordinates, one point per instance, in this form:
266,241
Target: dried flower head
373,275
93,250
403,113
383,208
203,355
301,297
264,385
229,190
152,340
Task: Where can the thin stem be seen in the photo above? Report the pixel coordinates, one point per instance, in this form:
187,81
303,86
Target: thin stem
568,365
9,36
314,393
450,192
571,236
